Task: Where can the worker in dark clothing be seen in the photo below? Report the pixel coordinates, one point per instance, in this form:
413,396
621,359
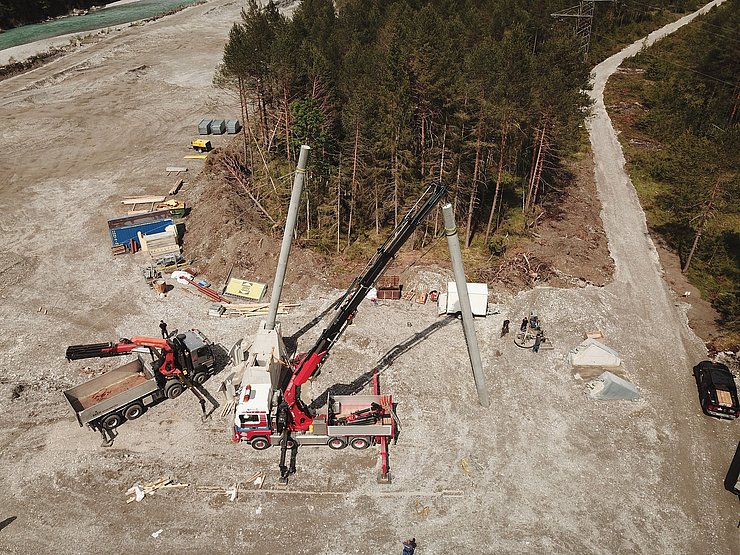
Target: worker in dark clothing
538,339
409,546
163,327
505,328
524,325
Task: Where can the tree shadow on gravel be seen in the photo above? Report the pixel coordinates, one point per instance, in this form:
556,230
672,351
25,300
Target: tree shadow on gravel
7,522
386,361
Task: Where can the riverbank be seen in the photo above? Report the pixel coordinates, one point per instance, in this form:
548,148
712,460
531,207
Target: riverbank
60,34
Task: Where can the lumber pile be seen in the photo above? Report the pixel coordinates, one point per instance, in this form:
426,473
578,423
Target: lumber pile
159,245
253,309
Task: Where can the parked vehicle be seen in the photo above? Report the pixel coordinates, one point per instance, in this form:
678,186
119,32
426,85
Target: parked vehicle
270,410
163,370
717,390
201,145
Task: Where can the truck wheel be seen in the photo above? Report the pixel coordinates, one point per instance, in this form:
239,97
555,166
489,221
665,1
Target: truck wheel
200,378
134,411
260,443
112,421
172,389
337,443
360,443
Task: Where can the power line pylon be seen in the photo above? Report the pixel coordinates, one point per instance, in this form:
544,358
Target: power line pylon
583,14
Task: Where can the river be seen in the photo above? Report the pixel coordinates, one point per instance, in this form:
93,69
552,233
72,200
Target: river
98,19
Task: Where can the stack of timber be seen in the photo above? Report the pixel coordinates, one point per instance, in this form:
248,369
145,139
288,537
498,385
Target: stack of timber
253,309
159,245
118,249
142,205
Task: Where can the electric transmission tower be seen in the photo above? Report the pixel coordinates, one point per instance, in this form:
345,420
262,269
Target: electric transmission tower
583,14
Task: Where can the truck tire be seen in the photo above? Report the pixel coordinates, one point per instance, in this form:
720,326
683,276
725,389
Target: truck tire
360,443
172,389
200,378
337,443
260,443
133,411
112,421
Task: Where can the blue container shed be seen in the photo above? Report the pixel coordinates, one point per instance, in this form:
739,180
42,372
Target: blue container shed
125,228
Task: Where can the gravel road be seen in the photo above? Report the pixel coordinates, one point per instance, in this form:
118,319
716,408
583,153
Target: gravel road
543,470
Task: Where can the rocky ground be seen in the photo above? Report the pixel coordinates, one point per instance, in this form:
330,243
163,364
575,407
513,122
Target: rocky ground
544,469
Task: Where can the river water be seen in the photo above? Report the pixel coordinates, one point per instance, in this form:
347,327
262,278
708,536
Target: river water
98,19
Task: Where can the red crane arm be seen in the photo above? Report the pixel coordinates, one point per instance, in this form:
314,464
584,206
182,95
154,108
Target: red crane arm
125,346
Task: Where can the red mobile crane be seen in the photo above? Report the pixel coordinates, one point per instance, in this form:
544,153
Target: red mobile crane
269,415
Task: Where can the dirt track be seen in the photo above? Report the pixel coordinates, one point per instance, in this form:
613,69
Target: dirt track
543,470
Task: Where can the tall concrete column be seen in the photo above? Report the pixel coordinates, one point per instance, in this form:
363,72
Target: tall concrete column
467,314
295,198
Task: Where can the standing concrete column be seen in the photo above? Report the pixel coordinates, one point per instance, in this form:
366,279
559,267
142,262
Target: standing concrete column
467,314
295,197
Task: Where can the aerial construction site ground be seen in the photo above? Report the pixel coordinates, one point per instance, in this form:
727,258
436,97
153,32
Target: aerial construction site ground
544,469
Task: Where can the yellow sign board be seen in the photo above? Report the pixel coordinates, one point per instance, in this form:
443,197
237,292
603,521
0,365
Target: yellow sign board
246,289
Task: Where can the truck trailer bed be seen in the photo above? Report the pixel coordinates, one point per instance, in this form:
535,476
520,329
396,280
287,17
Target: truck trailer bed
111,391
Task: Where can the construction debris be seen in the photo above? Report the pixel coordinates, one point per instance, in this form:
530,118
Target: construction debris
137,492
207,291
118,249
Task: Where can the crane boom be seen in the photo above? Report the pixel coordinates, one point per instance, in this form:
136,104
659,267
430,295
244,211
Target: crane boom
308,365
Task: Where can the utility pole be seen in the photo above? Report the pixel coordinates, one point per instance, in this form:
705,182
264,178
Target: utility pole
583,14
467,314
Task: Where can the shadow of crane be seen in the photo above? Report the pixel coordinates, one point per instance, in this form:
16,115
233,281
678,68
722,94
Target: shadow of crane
386,361
291,341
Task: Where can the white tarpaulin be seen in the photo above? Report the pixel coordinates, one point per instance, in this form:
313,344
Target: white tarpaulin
609,387
594,353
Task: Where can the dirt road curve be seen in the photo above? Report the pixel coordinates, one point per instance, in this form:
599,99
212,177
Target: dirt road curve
544,470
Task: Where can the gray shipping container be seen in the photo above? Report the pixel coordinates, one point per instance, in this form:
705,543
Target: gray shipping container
204,127
218,126
233,126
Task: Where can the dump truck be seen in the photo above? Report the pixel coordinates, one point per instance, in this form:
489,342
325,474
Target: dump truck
164,368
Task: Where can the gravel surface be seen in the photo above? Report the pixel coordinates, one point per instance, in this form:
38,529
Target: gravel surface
544,469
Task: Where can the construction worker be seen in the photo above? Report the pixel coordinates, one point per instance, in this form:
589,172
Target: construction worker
163,327
505,328
524,325
409,546
538,339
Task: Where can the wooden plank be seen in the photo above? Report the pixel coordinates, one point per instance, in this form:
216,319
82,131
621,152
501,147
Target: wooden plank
143,200
196,157
724,398
177,186
176,169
